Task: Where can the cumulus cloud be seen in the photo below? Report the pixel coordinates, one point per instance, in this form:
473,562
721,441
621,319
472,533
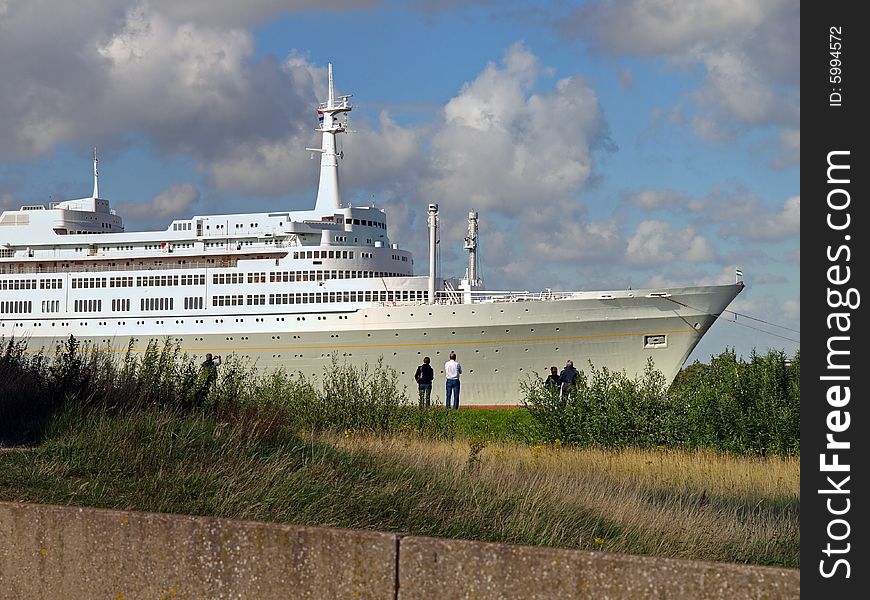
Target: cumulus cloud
513,143
177,201
744,217
249,12
663,26
661,200
498,149
775,225
748,50
658,243
120,68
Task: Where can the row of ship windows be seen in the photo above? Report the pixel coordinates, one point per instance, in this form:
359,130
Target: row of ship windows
318,297
30,284
361,296
197,302
198,279
367,223
15,306
289,276
122,304
143,281
326,254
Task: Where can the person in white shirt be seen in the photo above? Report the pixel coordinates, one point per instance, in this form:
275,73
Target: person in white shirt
452,370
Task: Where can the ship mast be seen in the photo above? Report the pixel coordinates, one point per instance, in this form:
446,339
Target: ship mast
328,194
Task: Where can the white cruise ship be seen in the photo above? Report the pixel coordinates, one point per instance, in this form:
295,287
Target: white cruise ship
295,289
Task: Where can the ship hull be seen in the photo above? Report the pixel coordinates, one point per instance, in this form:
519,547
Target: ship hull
500,344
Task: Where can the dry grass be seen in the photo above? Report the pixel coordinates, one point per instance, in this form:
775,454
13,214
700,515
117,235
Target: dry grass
662,502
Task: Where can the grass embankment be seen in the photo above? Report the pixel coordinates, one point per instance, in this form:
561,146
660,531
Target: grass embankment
315,456
692,505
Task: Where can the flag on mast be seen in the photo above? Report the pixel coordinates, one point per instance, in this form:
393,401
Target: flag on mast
737,274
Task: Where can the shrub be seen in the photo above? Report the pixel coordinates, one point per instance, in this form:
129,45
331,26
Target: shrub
749,407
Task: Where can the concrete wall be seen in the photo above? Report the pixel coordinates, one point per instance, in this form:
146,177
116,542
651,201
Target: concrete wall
49,552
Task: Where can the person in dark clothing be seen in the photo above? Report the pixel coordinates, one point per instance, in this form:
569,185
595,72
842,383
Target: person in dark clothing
211,362
424,377
567,377
205,379
553,378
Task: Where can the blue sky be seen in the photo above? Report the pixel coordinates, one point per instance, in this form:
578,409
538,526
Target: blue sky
606,144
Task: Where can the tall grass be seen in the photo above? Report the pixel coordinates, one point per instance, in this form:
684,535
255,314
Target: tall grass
698,505
730,405
151,431
35,386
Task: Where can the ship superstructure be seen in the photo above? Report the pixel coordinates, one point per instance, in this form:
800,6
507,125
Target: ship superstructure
294,289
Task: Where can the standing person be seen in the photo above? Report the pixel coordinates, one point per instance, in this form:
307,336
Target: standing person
452,370
553,378
424,377
567,378
210,365
211,362
205,379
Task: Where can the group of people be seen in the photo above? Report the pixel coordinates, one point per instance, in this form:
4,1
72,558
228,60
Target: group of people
452,371
425,375
562,381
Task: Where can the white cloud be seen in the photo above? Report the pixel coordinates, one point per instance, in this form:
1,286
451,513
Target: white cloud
776,225
121,68
749,51
736,89
743,217
249,12
660,200
498,149
790,148
176,201
659,243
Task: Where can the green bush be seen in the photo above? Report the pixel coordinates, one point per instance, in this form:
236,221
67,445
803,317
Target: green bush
748,407
33,387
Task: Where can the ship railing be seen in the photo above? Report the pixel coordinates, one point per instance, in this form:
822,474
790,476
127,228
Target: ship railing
73,268
489,296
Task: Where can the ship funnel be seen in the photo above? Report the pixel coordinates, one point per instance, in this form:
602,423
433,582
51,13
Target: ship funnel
96,176
471,246
433,240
